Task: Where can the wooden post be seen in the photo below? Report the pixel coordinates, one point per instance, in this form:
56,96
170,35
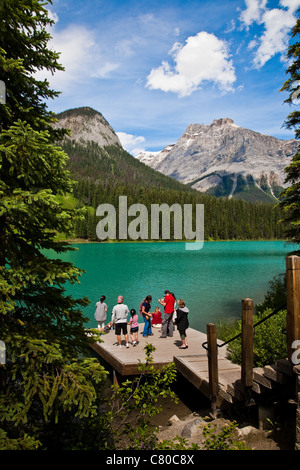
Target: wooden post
116,378
293,302
213,366
247,342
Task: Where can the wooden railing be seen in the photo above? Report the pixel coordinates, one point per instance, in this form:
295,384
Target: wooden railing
292,325
293,302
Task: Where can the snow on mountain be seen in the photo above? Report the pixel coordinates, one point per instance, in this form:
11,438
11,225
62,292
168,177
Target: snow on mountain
226,160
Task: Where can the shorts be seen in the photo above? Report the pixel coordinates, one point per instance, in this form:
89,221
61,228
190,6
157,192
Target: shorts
121,327
134,329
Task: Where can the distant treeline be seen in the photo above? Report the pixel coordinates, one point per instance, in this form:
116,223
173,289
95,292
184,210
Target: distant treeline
225,219
105,173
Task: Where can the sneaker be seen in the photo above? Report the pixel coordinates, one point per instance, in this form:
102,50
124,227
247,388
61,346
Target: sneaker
120,345
127,345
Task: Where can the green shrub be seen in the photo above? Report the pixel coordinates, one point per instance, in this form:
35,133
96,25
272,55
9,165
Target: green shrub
269,342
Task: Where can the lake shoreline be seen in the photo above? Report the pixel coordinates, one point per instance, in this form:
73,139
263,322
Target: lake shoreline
85,241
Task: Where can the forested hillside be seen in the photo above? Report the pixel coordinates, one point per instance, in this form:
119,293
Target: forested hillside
105,173
113,164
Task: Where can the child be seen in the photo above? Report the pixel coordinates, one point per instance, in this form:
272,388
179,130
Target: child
156,318
100,313
134,326
182,323
108,327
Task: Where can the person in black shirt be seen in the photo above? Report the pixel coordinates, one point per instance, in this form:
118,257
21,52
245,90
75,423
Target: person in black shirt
182,322
147,316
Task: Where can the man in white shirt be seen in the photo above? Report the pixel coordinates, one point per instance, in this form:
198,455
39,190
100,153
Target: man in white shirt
119,317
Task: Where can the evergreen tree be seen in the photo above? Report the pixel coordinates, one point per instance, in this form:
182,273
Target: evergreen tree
24,51
290,198
43,384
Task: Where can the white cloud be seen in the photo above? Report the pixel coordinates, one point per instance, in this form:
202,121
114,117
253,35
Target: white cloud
253,12
252,44
80,55
204,57
230,27
131,142
75,45
104,70
124,48
292,5
277,23
53,16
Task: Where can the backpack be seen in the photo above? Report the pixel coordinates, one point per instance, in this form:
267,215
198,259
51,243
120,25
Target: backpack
141,306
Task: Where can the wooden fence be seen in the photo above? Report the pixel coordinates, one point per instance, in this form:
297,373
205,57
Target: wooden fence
247,310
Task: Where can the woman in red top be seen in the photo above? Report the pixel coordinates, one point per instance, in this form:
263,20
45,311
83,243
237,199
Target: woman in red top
156,318
167,324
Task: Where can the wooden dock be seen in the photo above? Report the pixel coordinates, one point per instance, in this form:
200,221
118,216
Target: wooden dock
208,369
126,360
192,363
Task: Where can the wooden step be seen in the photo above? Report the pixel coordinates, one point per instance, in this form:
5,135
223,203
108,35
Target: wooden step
272,373
226,396
236,391
285,367
261,379
231,383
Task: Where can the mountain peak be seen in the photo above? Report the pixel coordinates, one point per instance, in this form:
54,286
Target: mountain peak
222,122
227,160
194,129
87,124
81,111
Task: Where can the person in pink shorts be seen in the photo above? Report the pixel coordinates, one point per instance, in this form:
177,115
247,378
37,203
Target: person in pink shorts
134,327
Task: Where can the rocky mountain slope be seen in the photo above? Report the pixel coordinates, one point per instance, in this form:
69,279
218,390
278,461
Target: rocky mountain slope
87,125
224,159
96,154
104,171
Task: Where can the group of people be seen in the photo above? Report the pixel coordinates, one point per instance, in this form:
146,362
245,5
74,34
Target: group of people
175,313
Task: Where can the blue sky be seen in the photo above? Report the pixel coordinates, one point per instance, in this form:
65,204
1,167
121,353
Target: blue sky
154,67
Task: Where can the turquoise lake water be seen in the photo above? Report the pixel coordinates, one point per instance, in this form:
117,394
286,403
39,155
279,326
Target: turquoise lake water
212,281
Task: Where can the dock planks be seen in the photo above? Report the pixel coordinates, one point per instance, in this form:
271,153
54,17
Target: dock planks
192,363
126,360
